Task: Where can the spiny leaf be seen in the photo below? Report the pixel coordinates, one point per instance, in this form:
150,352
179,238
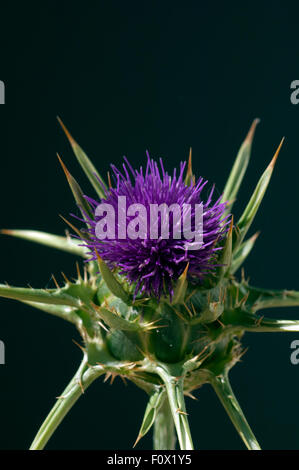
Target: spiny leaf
180,288
239,168
242,252
209,314
150,414
51,296
111,281
226,253
67,244
257,197
85,163
80,234
116,322
77,192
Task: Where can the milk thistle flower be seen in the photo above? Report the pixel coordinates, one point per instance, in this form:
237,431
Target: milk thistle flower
165,312
155,264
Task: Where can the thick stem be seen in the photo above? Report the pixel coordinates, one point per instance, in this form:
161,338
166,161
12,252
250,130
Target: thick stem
175,393
82,379
164,432
226,395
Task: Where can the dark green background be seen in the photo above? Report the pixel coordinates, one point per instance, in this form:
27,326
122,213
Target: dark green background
125,78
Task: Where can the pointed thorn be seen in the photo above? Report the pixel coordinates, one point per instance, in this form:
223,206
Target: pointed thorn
79,345
55,281
189,394
65,278
72,226
85,277
98,256
190,162
107,376
66,171
190,158
255,236
242,353
70,138
188,309
193,309
184,273
251,131
124,380
6,231
273,161
189,179
181,412
137,440
113,376
78,271
80,385
109,180
103,326
202,352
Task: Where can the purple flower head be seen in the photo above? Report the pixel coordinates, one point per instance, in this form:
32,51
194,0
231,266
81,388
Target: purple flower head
152,264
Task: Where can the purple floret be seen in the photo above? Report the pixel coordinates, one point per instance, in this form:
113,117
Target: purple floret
154,264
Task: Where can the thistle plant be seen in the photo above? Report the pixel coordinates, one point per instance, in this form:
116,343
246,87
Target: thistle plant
166,317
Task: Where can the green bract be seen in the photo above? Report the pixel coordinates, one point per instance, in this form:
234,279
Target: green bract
167,348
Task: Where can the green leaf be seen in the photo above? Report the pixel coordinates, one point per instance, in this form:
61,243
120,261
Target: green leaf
115,321
85,163
77,192
111,281
51,296
251,209
239,168
180,288
209,314
209,304
67,244
164,432
226,254
150,414
242,252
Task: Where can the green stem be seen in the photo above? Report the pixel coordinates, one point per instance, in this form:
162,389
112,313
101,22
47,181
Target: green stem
81,380
226,395
175,393
164,435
